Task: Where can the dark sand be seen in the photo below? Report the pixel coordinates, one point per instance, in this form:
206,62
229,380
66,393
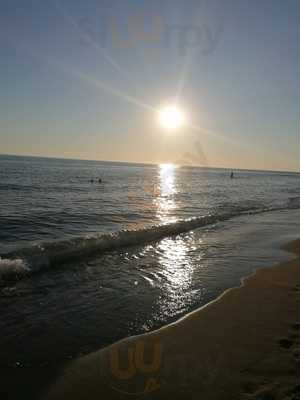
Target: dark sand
244,345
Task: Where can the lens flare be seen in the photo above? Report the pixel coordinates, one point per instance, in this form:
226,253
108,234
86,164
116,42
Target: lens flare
171,118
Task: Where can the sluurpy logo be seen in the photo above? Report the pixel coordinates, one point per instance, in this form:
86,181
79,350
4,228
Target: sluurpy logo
151,32
134,370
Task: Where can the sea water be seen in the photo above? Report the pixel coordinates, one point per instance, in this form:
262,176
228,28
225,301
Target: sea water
85,263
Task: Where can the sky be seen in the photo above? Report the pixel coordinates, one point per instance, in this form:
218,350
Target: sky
85,79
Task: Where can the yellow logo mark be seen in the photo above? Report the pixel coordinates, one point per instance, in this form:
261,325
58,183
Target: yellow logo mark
136,364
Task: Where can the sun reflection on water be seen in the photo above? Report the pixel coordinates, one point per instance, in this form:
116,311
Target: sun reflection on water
175,260
165,200
176,267
173,252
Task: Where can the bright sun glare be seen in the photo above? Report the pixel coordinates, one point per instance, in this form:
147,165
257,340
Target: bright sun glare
171,118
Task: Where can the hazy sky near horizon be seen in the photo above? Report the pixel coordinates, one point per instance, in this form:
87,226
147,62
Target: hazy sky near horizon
83,79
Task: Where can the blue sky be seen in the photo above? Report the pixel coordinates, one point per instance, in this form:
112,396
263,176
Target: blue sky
83,79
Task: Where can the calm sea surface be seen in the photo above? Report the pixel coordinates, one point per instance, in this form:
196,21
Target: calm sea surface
85,263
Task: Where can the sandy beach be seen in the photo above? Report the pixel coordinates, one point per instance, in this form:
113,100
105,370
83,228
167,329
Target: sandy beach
244,345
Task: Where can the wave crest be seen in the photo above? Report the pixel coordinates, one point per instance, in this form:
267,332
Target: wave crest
46,255
12,269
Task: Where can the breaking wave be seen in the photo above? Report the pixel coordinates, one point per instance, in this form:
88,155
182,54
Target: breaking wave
14,266
12,269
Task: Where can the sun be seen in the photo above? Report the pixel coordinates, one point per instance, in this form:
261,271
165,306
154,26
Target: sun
171,118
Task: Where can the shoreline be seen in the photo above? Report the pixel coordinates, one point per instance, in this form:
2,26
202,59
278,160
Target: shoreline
242,345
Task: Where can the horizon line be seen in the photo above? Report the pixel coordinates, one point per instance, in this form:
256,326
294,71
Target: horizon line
150,163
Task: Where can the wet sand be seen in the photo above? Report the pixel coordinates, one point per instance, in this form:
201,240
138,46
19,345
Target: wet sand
244,345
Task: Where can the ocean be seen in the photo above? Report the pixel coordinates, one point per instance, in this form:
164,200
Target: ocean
85,263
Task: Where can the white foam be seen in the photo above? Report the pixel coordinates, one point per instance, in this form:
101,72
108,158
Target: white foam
12,268
45,255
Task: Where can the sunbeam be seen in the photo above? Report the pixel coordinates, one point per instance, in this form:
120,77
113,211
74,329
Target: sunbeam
69,70
87,37
212,133
102,85
187,61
